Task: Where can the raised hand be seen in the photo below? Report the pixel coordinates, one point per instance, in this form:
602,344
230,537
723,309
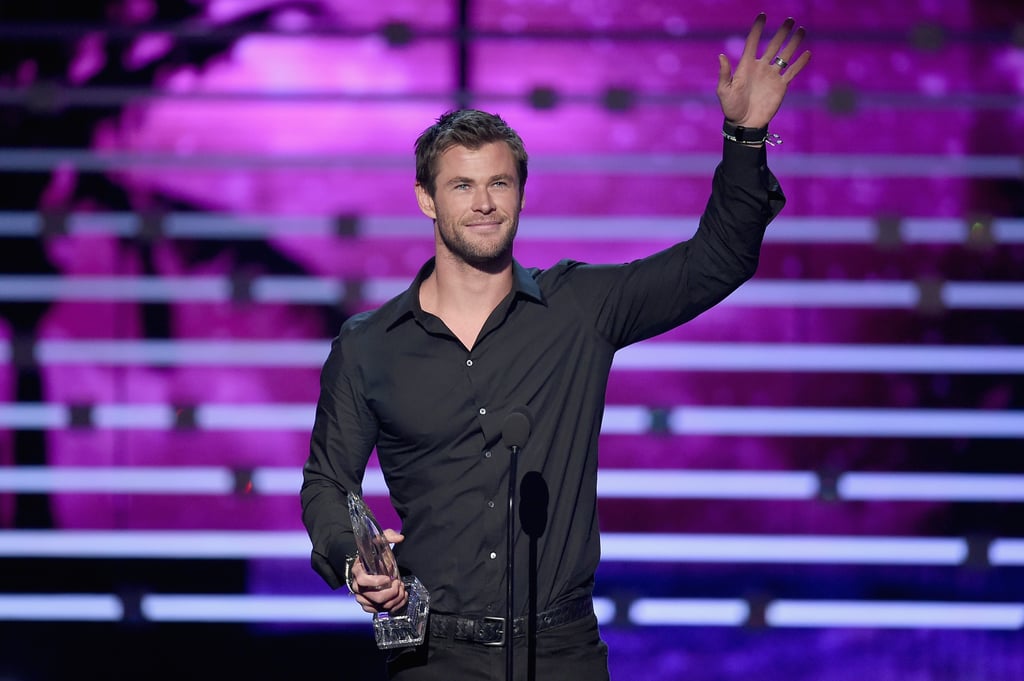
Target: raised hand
751,95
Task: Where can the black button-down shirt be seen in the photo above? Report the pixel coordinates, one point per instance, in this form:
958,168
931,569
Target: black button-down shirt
397,379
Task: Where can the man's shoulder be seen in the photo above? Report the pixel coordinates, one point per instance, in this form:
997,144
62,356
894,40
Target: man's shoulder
368,322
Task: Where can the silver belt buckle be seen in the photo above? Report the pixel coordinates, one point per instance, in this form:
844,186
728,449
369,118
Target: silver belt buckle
500,641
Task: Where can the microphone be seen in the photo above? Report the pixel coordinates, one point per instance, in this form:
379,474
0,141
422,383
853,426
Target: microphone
515,431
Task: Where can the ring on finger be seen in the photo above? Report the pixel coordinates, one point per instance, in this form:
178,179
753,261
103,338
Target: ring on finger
780,62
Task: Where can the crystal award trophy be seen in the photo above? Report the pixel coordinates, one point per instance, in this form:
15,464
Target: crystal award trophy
404,627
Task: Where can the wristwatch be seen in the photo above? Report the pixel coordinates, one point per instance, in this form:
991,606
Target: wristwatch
751,137
737,133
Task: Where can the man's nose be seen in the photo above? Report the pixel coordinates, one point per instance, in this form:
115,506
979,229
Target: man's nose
482,201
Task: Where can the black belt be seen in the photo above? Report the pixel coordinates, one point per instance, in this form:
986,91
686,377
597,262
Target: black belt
490,631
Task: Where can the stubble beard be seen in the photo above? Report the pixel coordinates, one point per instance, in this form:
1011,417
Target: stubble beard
479,254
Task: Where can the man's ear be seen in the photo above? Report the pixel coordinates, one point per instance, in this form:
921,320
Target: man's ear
426,202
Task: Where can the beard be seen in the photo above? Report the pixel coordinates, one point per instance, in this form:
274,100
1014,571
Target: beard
481,253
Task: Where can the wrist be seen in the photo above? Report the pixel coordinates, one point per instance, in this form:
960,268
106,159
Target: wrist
349,577
751,137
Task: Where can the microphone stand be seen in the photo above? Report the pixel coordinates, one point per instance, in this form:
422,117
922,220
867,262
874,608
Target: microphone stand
510,567
515,431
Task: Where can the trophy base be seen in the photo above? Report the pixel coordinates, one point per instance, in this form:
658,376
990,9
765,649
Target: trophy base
408,627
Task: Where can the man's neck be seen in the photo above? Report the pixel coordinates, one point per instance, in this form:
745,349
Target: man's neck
463,296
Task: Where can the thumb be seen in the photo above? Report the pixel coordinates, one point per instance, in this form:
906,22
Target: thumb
393,537
724,71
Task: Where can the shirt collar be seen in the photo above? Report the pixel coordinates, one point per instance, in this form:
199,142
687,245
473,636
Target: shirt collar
408,302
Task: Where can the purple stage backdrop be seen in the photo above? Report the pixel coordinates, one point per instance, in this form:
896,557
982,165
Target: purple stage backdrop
822,478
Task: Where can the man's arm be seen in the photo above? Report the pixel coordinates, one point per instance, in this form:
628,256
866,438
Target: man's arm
650,296
344,434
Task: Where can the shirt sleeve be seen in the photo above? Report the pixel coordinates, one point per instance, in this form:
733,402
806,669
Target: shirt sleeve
344,433
646,297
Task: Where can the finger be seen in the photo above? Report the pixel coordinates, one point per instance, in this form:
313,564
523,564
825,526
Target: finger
790,49
796,67
393,537
724,71
775,44
387,598
367,583
753,39
398,601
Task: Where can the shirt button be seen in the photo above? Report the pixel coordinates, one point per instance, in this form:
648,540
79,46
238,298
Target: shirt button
487,454
482,411
469,362
493,555
490,504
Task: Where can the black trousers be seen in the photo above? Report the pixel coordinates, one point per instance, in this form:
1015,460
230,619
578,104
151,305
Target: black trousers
566,653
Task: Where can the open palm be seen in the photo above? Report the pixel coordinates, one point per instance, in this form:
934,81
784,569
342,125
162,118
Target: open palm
751,95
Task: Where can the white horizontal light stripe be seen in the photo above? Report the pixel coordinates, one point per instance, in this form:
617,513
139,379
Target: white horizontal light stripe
116,480
820,357
625,420
895,614
811,229
237,352
36,416
207,544
251,608
822,230
61,607
646,356
611,483
618,420
783,549
106,223
728,612
604,610
669,484
114,289
308,290
931,487
1006,552
378,291
255,416
313,290
846,422
20,223
662,548
272,608
255,608
971,295
641,164
133,416
289,481
934,230
1008,230
826,293
215,226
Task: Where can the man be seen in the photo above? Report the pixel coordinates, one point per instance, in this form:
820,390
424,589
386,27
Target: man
430,377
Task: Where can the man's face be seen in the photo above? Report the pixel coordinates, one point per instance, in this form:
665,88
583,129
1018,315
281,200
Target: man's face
476,204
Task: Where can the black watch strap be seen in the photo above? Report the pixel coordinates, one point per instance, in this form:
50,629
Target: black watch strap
738,133
749,136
